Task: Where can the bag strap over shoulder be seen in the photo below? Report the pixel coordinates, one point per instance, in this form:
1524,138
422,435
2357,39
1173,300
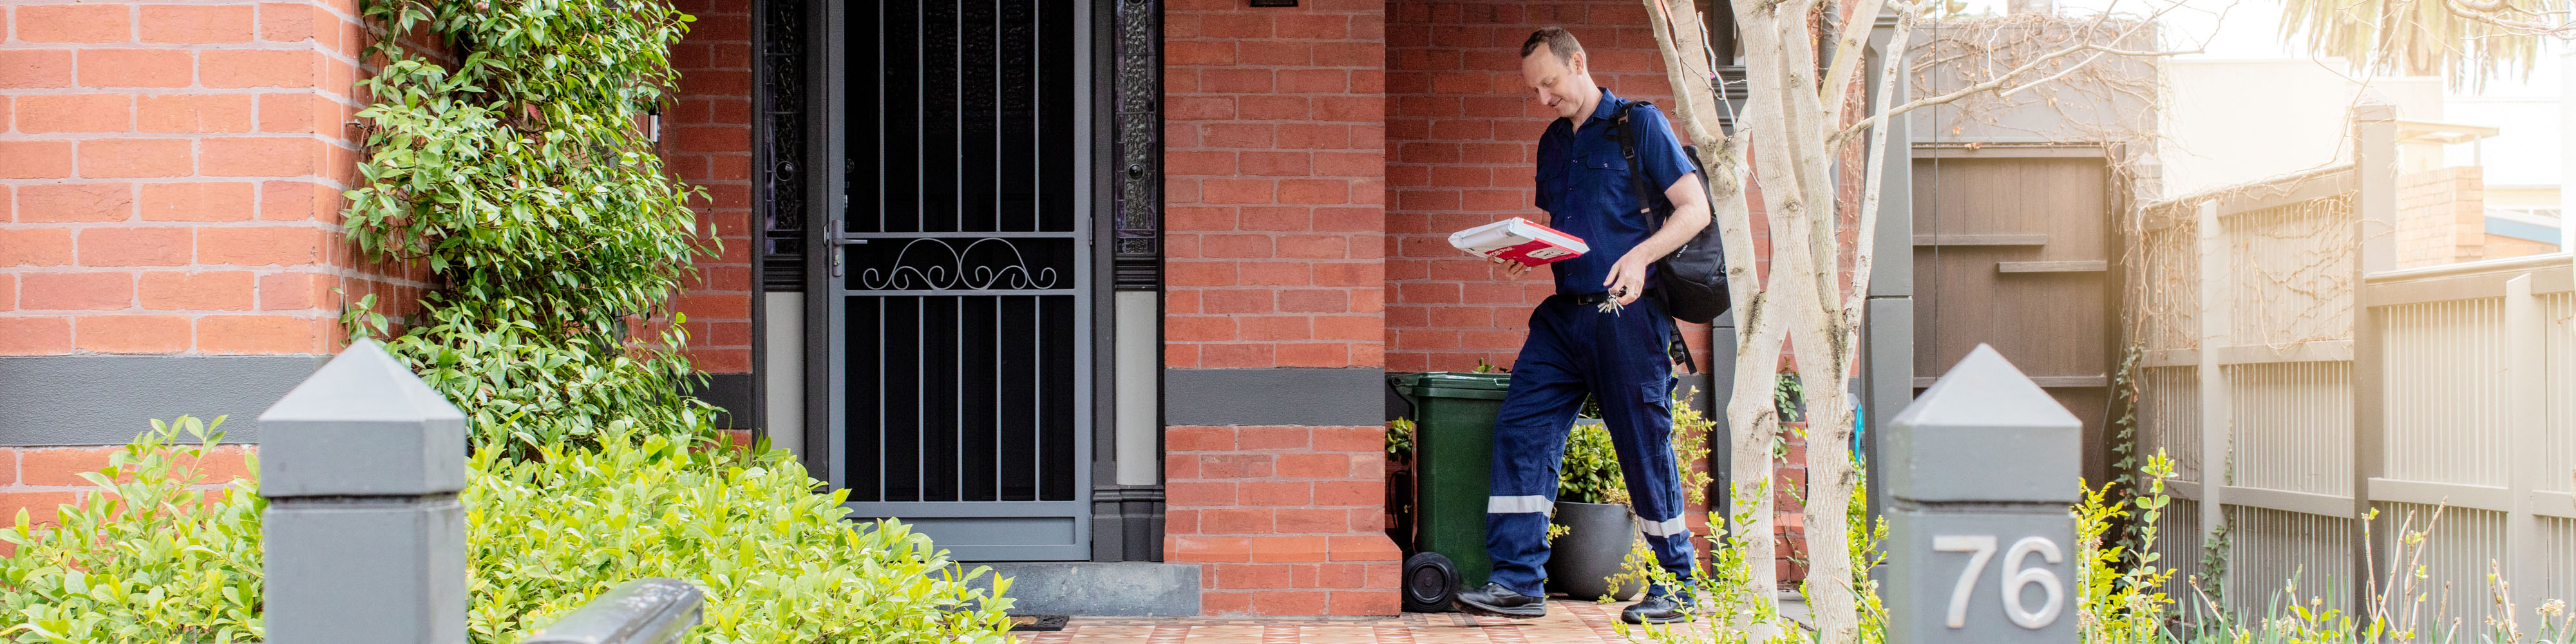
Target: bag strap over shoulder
1676,350
1628,152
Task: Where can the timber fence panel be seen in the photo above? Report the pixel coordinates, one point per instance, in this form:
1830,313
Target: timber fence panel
2454,553
2446,365
2178,547
2275,557
2293,425
2169,421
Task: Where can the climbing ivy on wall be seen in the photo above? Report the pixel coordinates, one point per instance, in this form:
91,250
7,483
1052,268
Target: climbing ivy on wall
504,154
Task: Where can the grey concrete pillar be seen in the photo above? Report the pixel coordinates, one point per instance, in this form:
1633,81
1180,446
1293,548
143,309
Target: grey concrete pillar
1982,469
365,540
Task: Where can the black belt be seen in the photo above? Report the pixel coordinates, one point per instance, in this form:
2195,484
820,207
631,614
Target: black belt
1677,350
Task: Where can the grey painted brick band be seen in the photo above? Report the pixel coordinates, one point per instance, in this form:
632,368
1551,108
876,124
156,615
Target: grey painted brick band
107,400
1274,396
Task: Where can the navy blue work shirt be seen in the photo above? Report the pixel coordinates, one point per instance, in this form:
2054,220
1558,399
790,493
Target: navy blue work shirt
1584,187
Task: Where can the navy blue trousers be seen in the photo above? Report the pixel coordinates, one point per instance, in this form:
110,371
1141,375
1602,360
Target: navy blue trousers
1573,350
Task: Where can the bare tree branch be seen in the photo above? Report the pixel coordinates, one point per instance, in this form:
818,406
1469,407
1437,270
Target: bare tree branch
2098,52
1848,53
2002,80
1875,177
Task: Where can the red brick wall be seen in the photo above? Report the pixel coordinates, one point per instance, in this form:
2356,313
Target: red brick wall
1274,174
1275,160
706,141
1282,520
172,175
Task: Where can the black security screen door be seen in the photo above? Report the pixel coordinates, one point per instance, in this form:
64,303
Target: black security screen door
964,278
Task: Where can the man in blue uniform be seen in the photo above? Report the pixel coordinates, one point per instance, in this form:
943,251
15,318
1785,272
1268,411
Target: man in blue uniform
1600,335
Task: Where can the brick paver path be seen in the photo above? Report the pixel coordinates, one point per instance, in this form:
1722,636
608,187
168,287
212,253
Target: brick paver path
1566,623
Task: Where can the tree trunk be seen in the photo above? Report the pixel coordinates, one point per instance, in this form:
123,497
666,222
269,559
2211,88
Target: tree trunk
1749,409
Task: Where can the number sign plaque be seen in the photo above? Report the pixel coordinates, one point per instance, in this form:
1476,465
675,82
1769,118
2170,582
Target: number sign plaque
1981,475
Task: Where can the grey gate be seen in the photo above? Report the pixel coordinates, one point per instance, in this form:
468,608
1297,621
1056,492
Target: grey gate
961,295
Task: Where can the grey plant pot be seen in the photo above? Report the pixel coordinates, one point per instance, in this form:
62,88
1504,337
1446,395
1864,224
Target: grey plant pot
1598,538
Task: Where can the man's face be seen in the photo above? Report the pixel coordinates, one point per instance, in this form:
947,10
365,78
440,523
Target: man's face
1560,83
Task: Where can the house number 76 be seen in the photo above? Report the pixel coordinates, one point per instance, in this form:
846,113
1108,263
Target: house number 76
1980,549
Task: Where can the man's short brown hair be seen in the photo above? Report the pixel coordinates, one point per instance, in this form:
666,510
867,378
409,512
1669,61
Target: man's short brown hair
1558,41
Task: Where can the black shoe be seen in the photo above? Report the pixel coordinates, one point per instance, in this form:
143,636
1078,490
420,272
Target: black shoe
1494,599
1655,609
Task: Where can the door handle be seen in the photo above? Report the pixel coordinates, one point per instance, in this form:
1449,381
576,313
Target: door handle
839,250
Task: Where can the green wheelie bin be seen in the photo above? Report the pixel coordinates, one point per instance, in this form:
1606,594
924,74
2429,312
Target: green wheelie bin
1453,415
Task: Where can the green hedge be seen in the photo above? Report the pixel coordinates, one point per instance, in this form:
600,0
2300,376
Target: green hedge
145,560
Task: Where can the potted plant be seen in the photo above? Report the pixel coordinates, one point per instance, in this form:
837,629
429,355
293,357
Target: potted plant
1593,529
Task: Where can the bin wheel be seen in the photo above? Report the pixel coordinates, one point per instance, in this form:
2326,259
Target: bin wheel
1430,583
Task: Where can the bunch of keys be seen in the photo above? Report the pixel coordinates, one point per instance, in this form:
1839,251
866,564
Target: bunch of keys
1611,304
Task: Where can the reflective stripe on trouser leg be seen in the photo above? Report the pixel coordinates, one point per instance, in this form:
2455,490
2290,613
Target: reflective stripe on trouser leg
1518,504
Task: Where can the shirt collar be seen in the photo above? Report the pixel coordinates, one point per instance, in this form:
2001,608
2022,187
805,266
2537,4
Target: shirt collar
1601,112
1608,106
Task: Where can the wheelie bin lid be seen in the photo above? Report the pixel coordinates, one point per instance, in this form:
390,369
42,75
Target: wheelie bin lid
1451,384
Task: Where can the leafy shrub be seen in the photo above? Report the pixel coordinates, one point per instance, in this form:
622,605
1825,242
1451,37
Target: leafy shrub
545,535
2119,596
777,561
2117,602
179,564
514,172
1399,441
1590,473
